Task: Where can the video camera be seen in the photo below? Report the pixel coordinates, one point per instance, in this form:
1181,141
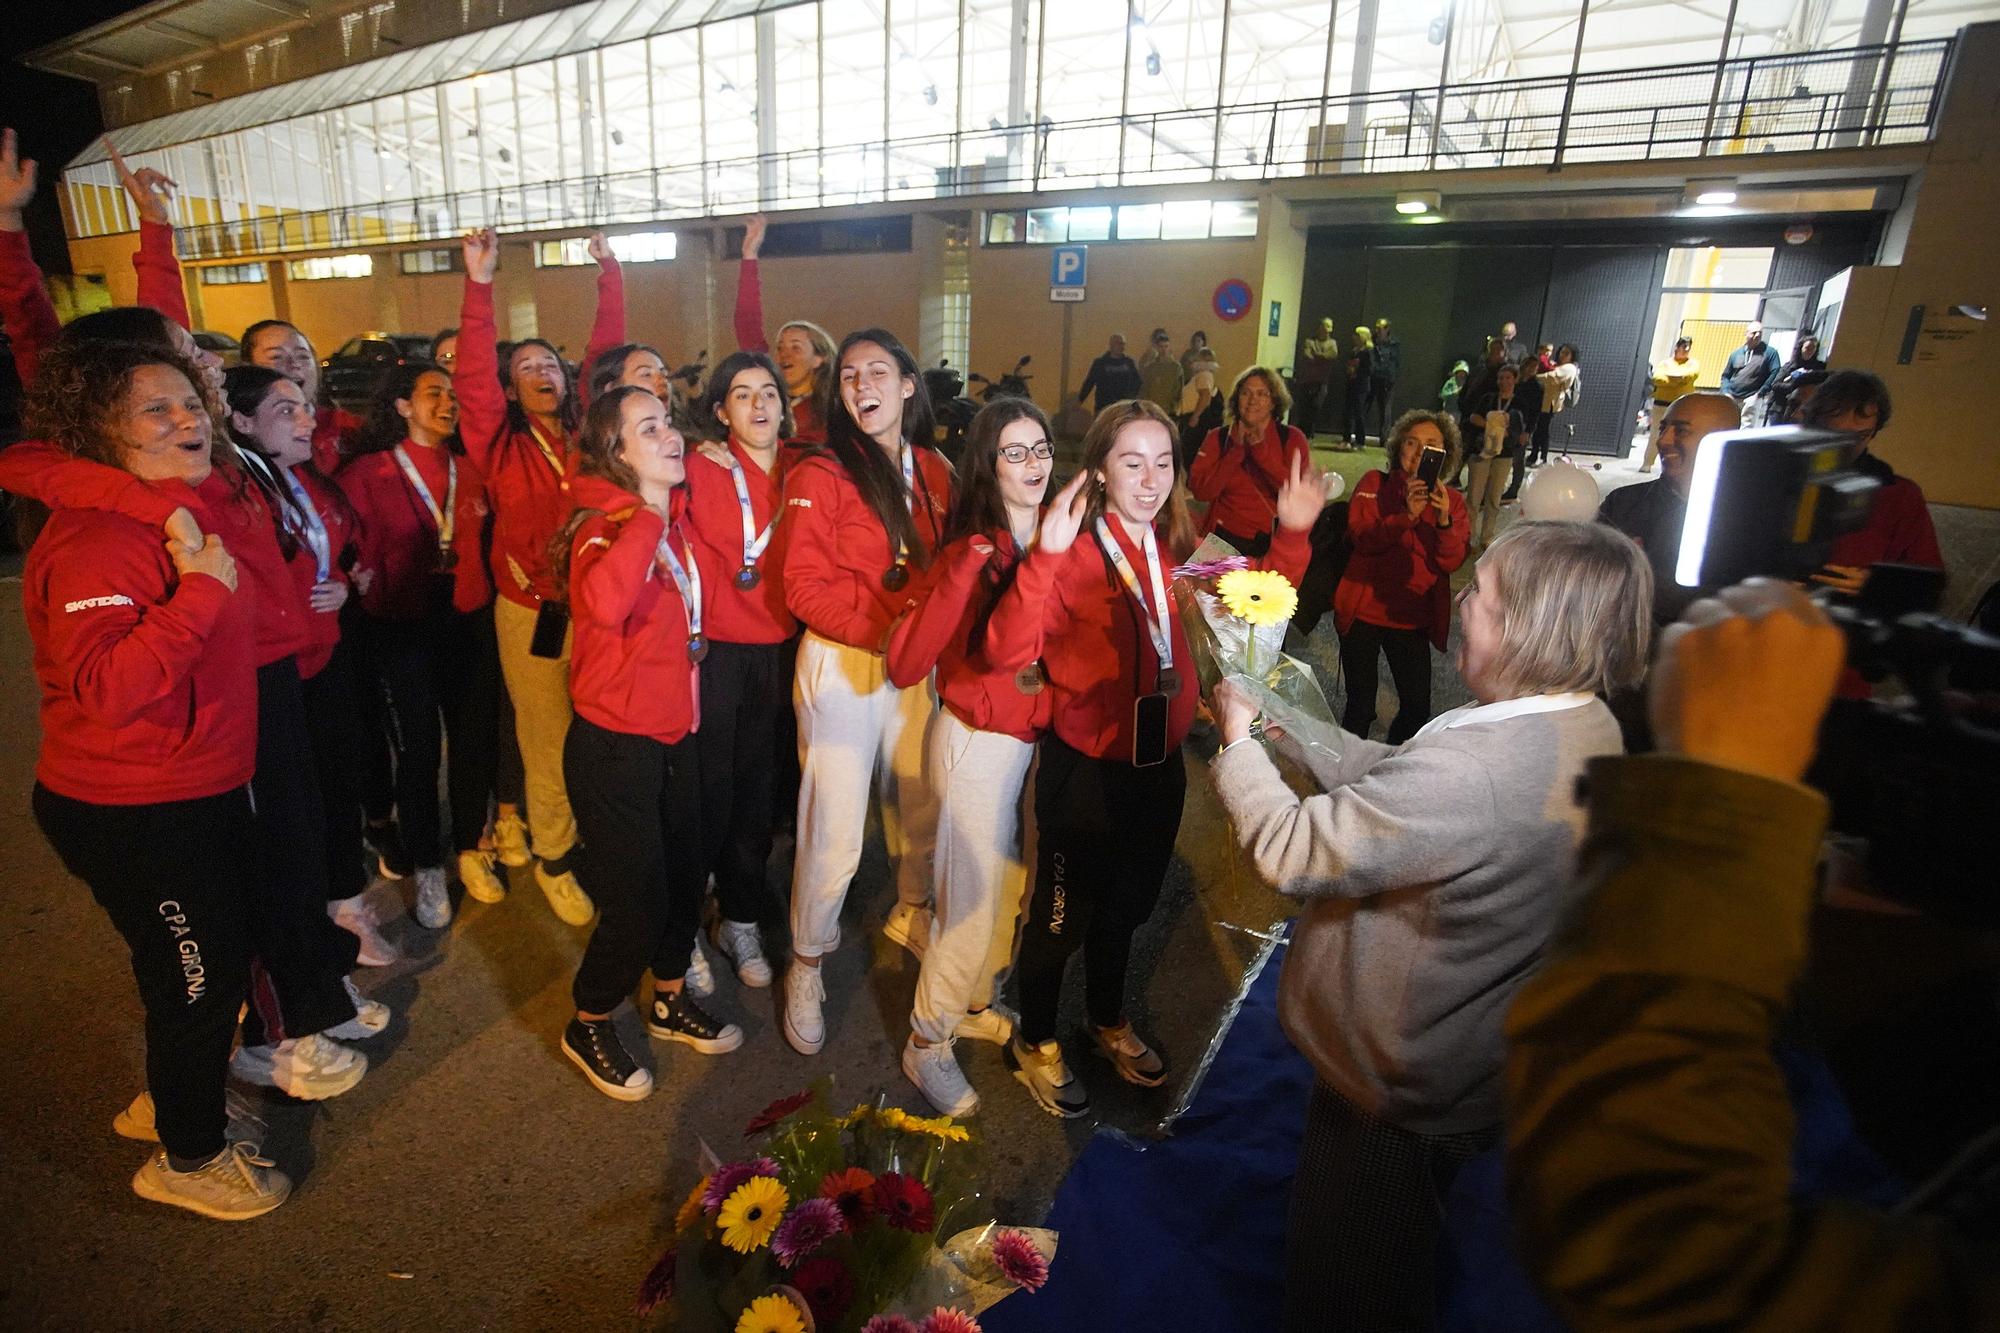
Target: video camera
1918,779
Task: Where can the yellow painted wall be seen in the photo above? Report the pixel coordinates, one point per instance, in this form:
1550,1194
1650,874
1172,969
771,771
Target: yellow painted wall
232,308
840,293
1135,287
1939,435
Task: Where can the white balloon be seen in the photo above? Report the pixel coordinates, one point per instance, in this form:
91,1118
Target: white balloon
1333,485
1560,492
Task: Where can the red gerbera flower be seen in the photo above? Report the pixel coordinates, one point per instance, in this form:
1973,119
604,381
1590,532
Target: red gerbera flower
827,1286
658,1288
850,1191
903,1201
776,1111
1019,1260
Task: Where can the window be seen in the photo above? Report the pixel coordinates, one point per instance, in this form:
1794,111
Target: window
227,275
846,236
330,266
431,261
1176,220
632,247
1710,292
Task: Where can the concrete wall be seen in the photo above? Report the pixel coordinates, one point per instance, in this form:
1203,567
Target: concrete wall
1942,435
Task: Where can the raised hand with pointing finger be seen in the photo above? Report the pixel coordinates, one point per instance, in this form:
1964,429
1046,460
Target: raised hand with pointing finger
152,191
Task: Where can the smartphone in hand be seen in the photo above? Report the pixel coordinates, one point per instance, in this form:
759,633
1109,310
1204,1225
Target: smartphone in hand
1430,466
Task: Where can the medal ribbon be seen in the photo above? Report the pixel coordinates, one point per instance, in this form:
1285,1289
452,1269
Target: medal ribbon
446,519
311,527
686,577
1156,626
754,542
549,451
909,499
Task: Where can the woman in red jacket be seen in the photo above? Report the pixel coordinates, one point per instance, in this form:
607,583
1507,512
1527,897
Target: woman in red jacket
145,655
735,496
1242,463
427,624
1094,610
279,345
862,519
637,581
1396,592
804,352
306,1002
981,744
517,417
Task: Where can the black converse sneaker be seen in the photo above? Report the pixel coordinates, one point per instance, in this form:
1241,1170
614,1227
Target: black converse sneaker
594,1048
676,1017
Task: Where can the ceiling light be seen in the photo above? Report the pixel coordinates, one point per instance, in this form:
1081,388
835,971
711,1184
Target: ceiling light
1427,219
1410,203
1717,193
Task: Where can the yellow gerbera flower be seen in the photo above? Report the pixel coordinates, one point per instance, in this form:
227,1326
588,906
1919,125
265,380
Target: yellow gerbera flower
751,1213
1258,596
770,1314
895,1117
938,1127
690,1210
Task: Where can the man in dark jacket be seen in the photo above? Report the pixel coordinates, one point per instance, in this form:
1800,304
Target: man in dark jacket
1749,374
1652,512
1383,374
1114,375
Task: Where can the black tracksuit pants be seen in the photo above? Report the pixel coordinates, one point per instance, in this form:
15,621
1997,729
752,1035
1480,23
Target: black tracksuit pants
440,677
745,689
1105,832
177,879
340,763
639,820
1409,654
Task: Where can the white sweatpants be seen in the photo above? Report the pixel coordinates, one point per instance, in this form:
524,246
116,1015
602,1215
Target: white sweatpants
981,879
857,733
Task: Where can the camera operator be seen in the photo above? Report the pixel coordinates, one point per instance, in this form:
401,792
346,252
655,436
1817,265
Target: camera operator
1431,876
1899,529
1652,513
1648,1129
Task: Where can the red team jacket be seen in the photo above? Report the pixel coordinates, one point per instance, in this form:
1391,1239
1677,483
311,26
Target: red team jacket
948,631
399,537
1399,576
715,520
628,668
836,550
1241,486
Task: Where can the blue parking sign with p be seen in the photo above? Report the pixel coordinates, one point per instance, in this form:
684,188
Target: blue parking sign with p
1069,265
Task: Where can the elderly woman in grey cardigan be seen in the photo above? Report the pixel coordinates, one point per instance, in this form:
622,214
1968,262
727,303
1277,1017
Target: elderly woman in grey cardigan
1431,875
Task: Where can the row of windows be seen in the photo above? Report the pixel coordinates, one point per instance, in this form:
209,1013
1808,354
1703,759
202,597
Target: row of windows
631,247
1175,220
225,275
321,267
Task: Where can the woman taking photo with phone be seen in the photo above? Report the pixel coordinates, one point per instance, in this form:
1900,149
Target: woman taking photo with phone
862,519
981,744
428,625
735,498
1090,604
1408,530
1241,465
517,419
636,580
1431,876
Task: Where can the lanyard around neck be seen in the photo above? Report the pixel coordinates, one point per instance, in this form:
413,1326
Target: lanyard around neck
754,542
445,518
1156,625
687,577
549,451
307,523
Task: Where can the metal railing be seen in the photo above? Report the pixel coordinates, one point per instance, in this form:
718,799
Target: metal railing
1791,103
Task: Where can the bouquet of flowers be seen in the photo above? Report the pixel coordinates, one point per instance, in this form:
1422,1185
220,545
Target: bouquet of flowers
855,1222
1235,618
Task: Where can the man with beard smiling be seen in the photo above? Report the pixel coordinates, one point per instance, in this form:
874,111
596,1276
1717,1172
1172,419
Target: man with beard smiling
1652,512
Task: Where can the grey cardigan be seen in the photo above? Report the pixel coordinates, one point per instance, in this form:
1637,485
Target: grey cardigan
1433,875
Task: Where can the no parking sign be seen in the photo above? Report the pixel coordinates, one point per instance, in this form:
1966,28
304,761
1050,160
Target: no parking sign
1232,300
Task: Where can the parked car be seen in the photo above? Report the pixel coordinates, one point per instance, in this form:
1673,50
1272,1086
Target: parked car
350,374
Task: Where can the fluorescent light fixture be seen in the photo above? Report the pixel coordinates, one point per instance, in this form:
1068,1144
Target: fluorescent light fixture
1427,219
1717,193
1412,203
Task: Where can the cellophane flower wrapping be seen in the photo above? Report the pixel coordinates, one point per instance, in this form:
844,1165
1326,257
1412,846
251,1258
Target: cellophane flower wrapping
915,1233
1226,647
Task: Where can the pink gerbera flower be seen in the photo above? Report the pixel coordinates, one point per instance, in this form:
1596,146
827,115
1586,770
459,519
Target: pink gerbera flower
944,1319
806,1228
726,1178
889,1323
1019,1260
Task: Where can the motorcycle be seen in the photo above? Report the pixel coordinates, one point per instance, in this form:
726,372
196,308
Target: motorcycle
954,414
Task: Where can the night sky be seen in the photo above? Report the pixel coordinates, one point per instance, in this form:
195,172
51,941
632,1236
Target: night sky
55,117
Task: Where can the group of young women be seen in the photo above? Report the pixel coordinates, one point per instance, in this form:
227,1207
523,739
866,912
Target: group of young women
260,629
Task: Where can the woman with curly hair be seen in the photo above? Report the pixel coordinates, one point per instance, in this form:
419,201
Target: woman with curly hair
146,653
1241,465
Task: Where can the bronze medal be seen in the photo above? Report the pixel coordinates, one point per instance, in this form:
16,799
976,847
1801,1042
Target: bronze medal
697,648
895,577
748,577
1029,679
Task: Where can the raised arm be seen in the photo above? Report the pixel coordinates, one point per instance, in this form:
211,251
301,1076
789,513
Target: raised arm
25,309
475,376
158,267
750,290
1031,609
60,480
608,570
609,330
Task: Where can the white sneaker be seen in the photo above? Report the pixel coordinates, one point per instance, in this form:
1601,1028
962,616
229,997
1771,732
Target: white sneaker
370,1016
233,1186
433,899
993,1023
700,977
510,840
355,916
308,1068
482,883
805,1022
565,895
935,1071
740,943
245,1125
910,927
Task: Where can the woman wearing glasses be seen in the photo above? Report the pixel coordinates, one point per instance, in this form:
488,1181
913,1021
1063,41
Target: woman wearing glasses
979,747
